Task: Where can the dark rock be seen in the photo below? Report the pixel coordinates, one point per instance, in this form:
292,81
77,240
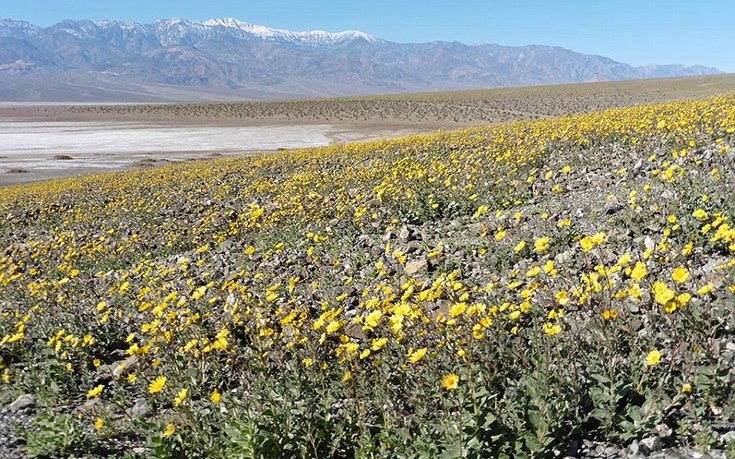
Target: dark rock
413,247
406,234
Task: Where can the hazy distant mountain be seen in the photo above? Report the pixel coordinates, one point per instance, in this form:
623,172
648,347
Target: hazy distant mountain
227,59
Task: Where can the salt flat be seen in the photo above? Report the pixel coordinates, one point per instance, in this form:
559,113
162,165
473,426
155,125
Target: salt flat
37,150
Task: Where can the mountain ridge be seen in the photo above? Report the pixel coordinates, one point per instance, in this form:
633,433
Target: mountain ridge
236,59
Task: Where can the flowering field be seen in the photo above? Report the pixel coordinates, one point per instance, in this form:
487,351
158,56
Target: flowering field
501,291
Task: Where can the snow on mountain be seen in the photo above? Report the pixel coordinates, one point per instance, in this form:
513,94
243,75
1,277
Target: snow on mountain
16,29
314,38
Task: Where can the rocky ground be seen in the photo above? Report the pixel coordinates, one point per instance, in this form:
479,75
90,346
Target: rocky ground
581,264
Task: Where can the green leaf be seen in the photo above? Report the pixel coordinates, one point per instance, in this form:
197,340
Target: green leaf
452,452
600,378
489,419
532,443
634,413
537,421
600,414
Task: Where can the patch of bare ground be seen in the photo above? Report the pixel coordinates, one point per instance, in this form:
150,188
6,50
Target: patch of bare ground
149,162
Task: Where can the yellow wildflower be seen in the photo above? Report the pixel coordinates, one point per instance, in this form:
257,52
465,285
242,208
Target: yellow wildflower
653,358
705,289
562,297
599,238
457,309
96,391
157,385
372,320
170,429
624,259
680,275
181,397
700,214
379,343
450,381
609,314
199,292
541,244
550,269
662,293
638,272
551,329
500,234
418,354
587,243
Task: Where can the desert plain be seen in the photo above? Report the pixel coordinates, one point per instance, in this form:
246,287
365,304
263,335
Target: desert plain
46,141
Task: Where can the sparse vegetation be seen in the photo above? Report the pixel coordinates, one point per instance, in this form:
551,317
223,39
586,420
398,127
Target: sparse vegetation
455,108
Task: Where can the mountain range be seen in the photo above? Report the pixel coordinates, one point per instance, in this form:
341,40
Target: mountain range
226,59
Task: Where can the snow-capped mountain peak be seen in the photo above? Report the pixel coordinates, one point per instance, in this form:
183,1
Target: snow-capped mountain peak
314,37
227,22
10,27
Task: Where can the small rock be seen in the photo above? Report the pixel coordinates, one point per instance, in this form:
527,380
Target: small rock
648,242
414,267
728,438
406,234
91,406
652,443
24,401
413,247
663,431
121,367
563,257
140,409
355,331
638,449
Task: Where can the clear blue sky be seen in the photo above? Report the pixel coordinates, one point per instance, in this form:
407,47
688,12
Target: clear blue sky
637,32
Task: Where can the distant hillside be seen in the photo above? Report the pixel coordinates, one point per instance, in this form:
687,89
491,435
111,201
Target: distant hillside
225,59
